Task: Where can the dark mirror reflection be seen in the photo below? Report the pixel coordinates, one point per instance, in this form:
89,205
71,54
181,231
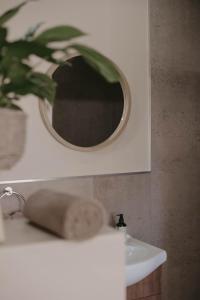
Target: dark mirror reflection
87,109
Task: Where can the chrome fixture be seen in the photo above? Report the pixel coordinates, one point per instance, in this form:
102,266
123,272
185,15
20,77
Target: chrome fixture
8,192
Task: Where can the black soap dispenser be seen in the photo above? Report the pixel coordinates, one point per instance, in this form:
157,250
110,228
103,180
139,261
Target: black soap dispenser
121,225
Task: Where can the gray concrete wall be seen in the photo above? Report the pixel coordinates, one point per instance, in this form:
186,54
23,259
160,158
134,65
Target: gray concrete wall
163,207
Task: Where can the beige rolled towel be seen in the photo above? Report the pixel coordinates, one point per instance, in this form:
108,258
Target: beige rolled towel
66,215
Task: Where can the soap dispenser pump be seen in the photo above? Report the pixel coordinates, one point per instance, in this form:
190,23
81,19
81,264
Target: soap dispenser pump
121,225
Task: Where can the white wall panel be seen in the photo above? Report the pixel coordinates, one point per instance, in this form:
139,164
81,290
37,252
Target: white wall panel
118,28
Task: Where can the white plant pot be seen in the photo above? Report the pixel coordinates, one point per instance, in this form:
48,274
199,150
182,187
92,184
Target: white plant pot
12,136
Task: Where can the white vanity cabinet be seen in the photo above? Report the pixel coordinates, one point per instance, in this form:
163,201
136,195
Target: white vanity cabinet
35,265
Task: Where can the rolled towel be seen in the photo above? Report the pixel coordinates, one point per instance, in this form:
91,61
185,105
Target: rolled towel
66,215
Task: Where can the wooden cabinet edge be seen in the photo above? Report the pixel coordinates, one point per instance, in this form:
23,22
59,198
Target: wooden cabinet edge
147,289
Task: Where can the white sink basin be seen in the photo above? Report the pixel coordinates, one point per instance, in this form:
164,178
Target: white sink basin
141,260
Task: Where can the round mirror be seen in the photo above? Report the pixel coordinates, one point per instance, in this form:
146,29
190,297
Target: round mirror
88,112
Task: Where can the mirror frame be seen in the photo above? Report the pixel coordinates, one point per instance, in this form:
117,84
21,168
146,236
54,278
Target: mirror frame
44,106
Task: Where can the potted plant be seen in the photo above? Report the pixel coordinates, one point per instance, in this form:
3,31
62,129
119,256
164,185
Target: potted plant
19,78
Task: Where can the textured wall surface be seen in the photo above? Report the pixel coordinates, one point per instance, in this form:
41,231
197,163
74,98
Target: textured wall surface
163,208
175,188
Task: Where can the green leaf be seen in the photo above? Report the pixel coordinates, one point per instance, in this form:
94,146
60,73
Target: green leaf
16,88
7,103
11,65
3,34
37,84
44,86
99,62
3,101
10,13
18,72
31,31
22,49
5,63
59,34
